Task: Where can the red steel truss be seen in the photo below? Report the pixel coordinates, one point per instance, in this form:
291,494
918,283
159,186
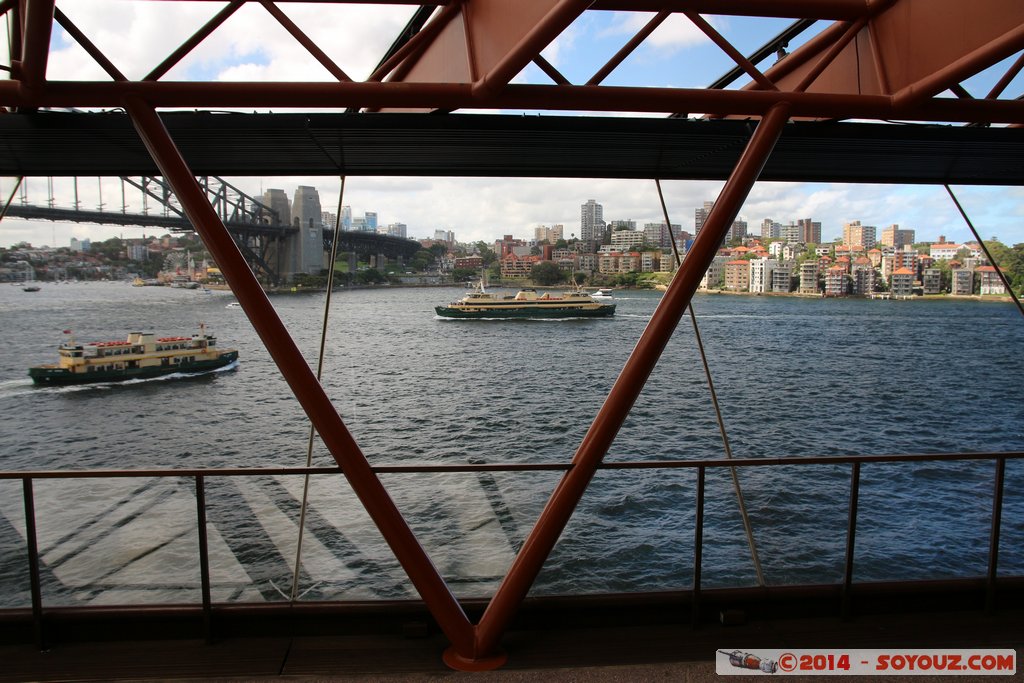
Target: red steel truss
880,59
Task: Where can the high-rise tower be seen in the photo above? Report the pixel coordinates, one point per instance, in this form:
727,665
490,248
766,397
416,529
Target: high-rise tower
591,222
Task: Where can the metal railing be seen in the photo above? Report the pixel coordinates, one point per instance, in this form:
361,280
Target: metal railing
200,476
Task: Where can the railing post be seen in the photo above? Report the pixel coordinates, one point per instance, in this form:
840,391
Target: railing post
33,563
851,535
204,558
993,539
698,548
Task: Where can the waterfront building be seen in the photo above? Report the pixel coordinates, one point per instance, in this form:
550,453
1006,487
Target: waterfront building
902,282
515,267
473,262
989,281
650,261
608,262
944,250
931,281
446,236
857,235
782,278
844,262
791,232
667,263
775,249
586,261
791,250
906,259
623,240
835,281
346,217
863,276
809,277
896,238
823,250
328,219
371,221
737,275
875,256
761,270
591,223
714,276
961,282
629,263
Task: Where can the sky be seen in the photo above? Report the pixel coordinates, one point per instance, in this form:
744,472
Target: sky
252,46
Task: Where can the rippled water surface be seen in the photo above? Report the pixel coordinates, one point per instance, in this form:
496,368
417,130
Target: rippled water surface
796,377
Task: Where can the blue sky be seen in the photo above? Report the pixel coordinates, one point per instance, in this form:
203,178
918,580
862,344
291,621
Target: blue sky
251,46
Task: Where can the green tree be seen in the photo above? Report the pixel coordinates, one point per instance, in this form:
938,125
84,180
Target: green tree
486,253
547,273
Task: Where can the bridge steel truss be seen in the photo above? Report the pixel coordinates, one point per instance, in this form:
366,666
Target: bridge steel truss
877,60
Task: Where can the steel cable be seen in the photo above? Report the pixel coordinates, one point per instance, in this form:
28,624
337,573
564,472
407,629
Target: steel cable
747,527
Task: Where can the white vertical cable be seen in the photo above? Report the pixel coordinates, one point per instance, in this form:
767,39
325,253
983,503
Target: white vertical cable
718,411
319,370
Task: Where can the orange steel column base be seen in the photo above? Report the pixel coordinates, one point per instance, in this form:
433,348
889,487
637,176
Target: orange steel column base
456,661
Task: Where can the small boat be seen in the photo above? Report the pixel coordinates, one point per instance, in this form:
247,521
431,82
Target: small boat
604,293
233,304
30,288
141,356
525,304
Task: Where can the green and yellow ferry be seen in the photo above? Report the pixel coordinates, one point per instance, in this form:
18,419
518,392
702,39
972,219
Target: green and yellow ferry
141,356
527,303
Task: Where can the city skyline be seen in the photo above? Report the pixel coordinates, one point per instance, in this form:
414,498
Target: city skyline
482,212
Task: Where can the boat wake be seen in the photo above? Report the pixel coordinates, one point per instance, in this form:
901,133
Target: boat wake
526,320
12,387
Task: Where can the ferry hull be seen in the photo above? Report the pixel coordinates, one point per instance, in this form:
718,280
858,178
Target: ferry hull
53,376
602,311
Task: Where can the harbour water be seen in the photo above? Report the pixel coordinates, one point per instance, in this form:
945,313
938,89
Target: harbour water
796,377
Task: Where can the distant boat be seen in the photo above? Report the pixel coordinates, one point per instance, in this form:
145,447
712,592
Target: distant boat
604,293
141,356
525,304
233,304
30,288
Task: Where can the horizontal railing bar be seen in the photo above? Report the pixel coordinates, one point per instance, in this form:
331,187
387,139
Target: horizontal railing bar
517,467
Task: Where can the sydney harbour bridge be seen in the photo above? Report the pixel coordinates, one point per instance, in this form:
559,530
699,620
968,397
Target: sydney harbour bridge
257,229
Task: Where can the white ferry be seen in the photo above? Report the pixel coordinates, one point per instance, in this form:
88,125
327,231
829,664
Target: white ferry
527,303
142,355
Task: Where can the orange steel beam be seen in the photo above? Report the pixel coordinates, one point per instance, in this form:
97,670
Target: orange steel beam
547,97
628,385
988,54
304,40
199,36
830,56
557,19
30,69
417,43
301,379
785,9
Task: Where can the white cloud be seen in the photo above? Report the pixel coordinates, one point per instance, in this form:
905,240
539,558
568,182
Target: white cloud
675,33
136,37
